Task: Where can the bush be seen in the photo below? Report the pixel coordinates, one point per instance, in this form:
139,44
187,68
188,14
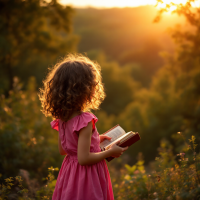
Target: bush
19,192
178,179
26,138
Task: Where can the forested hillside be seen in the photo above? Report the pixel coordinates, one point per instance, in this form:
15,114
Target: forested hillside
128,36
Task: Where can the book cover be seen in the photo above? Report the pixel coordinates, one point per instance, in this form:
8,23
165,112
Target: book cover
128,142
117,133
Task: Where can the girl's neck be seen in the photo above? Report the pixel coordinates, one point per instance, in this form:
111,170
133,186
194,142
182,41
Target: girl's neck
74,114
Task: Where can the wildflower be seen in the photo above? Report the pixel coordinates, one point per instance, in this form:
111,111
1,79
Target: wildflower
182,154
158,177
178,154
136,172
127,177
177,166
186,159
149,175
179,133
155,194
179,159
143,171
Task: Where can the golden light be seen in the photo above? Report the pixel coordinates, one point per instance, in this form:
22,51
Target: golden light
123,3
172,7
169,2
108,4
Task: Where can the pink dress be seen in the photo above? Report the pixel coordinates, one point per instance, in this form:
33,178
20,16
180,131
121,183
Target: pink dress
77,182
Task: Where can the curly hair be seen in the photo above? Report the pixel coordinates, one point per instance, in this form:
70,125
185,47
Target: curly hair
72,85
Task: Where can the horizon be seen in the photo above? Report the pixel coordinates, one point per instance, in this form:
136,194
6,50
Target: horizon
107,8
104,4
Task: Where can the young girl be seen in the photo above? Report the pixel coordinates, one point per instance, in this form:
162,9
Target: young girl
71,89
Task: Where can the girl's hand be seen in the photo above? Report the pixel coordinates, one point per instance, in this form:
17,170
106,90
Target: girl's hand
103,137
116,150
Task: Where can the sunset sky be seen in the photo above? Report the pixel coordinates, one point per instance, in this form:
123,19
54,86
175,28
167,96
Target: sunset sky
114,3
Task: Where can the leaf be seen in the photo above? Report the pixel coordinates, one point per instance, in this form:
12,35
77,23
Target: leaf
140,168
140,162
130,169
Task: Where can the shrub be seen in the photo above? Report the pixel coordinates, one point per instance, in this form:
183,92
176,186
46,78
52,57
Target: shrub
173,177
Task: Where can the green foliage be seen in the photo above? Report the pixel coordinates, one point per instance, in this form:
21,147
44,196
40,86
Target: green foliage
31,35
5,189
178,181
119,85
46,192
26,139
103,125
169,105
138,166
42,193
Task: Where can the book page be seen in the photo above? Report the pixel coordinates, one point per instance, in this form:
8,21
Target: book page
122,138
114,134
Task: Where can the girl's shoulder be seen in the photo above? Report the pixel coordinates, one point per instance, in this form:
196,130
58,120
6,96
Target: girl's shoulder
83,119
77,122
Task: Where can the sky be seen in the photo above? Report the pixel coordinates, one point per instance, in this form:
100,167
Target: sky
113,3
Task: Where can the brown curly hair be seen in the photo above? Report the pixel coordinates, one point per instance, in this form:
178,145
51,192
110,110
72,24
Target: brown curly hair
73,85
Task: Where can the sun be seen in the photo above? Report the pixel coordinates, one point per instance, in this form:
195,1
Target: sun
172,8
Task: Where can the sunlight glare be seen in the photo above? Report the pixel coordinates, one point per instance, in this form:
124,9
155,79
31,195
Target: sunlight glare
108,4
172,8
121,4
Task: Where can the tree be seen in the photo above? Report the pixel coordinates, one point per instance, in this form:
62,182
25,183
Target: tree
184,66
187,40
172,103
120,87
30,30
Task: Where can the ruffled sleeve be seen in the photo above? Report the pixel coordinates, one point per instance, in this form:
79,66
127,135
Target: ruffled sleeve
55,124
83,121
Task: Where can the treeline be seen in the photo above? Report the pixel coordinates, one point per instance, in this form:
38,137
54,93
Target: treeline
128,36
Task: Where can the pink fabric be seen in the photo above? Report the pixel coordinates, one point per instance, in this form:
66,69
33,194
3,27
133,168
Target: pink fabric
77,182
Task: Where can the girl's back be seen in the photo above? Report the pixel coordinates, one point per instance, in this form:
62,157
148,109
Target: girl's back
89,182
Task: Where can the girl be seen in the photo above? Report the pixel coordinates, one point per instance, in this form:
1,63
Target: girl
71,89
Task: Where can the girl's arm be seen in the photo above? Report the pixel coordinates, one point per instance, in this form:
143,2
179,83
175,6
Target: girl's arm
85,157
61,150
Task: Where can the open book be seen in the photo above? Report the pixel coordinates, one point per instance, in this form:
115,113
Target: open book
117,133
